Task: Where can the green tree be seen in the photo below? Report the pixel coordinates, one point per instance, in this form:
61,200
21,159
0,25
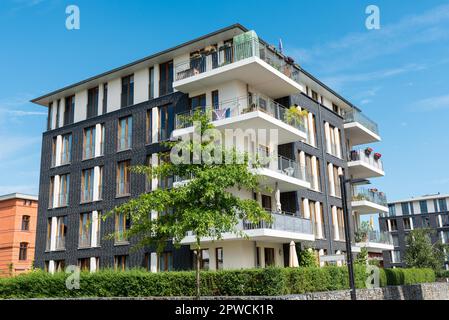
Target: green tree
421,253
362,257
204,205
306,258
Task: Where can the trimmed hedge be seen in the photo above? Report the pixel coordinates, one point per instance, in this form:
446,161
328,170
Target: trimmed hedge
140,283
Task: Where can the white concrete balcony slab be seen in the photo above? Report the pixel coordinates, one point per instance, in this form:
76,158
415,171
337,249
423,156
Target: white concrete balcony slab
250,62
366,201
248,114
283,229
362,165
360,129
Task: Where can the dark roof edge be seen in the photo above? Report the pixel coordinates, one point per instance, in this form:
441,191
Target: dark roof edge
235,25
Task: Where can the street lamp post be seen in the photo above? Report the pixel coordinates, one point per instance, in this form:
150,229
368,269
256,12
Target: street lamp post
346,220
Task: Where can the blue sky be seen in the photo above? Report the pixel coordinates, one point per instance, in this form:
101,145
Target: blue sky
398,75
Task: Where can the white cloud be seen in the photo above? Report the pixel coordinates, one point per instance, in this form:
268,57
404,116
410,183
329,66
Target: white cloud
432,103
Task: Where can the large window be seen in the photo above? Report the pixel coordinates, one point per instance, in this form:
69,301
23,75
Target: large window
166,261
198,102
23,251
105,98
89,143
125,128
149,126
61,232
423,206
87,185
85,230
334,141
66,152
122,224
204,259
443,205
92,102
166,78
166,122
69,109
64,188
84,264
25,223
405,208
395,256
127,91
392,209
269,257
50,116
123,178
393,225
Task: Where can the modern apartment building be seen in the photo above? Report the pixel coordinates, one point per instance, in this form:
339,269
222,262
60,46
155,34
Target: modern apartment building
429,211
101,126
18,218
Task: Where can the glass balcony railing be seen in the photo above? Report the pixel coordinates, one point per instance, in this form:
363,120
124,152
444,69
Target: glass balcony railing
282,221
292,168
357,116
373,236
217,57
370,195
238,106
362,155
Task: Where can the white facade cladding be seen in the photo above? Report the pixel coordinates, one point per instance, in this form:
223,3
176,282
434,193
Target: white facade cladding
249,86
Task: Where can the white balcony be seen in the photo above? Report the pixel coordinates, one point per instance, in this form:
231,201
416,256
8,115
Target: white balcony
360,129
284,228
248,114
362,165
366,201
249,61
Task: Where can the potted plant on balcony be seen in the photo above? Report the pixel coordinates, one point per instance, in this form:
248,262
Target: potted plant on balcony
377,156
368,151
294,115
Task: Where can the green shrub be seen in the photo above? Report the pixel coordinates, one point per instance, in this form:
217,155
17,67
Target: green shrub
137,282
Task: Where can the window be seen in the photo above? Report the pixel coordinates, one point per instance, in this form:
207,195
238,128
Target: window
392,210
148,180
166,120
84,264
66,152
337,183
51,192
25,223
407,224
149,126
393,225
105,98
87,188
423,206
166,78
127,91
166,261
395,238
58,112
395,256
125,128
48,240
316,184
444,220
215,99
405,208
50,116
100,184
340,223
121,262
61,232
92,102
197,103
311,131
442,204
314,96
69,109
53,151
122,224
64,190
85,230
167,181
266,203
334,141
269,257
151,84
89,143
123,178
23,251
426,222
316,217
204,259
219,258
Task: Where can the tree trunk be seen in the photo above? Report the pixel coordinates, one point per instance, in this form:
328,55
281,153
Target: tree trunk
198,252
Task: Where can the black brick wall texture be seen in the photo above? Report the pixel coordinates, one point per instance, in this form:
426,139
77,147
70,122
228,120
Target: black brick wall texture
182,257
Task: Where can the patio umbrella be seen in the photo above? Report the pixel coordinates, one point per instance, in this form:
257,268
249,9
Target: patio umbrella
293,258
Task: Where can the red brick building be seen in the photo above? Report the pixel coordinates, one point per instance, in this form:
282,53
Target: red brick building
18,215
